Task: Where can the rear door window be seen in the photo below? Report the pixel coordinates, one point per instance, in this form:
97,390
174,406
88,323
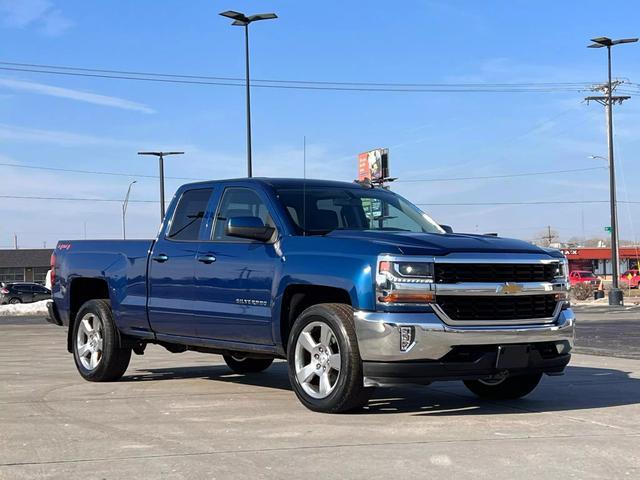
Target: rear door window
187,219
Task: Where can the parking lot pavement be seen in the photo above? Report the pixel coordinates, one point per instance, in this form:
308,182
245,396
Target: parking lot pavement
610,332
187,416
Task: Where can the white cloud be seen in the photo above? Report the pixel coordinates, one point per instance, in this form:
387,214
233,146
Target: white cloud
39,13
77,95
56,137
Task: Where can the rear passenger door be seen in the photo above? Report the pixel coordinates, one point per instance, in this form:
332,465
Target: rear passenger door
172,263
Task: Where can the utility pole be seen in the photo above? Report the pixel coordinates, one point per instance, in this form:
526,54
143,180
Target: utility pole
161,156
15,241
608,100
549,236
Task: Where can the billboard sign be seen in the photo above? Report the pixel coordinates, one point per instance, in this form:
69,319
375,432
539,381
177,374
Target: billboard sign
374,165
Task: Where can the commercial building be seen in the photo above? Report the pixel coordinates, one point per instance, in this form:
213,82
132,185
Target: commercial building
598,260
25,265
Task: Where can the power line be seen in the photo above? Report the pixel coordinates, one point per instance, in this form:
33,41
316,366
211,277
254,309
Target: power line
73,199
307,82
92,172
119,200
125,174
512,175
444,89
552,202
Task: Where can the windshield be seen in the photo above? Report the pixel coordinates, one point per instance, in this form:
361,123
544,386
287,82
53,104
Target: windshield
587,275
330,208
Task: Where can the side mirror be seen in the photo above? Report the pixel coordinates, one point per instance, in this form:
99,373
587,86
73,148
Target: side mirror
447,228
248,227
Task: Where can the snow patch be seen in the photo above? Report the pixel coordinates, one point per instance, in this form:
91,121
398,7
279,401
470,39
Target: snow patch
35,309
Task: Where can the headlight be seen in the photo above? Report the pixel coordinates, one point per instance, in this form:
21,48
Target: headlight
562,269
400,281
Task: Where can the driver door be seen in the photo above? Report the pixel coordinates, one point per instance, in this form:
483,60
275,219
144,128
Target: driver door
234,281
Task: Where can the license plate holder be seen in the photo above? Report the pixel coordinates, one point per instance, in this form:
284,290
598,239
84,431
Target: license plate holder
512,356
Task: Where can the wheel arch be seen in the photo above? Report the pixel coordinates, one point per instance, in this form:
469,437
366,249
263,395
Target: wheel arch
81,290
298,297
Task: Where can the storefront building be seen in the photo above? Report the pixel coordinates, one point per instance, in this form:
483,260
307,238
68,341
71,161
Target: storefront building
24,265
598,260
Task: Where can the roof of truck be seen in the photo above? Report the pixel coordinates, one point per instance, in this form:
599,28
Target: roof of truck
287,182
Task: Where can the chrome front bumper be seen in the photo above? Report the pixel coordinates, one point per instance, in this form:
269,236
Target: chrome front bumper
379,335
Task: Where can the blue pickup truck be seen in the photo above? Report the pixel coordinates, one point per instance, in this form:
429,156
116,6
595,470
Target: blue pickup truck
352,284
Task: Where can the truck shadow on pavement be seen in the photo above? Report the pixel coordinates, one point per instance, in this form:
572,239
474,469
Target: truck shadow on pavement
580,388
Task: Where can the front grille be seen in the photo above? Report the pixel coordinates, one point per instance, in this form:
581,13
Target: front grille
498,308
494,272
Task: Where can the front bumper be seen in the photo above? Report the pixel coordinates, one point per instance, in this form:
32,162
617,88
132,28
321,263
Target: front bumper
438,350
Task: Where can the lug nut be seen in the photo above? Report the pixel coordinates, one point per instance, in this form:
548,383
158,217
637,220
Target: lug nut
316,356
318,366
324,368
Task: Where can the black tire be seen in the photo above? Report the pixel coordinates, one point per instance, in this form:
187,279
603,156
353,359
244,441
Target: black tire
241,364
15,301
114,360
509,389
348,393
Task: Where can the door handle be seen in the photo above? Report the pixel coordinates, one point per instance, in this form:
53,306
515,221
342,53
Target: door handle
160,258
208,259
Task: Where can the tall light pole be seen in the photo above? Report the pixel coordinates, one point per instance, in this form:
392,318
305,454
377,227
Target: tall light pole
124,212
161,156
241,20
615,295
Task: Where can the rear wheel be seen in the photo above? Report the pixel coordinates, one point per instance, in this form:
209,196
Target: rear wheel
95,344
508,388
241,364
325,368
15,301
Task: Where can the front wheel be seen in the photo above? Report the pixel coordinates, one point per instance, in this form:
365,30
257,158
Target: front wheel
15,301
241,364
325,368
508,388
95,344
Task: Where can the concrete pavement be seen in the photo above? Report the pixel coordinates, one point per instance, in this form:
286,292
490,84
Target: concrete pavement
187,416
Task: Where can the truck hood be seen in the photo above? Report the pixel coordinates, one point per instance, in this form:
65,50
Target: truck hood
441,244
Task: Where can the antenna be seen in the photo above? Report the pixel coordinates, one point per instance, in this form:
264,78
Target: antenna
304,186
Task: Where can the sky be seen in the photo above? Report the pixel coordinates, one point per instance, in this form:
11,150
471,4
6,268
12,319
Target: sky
98,124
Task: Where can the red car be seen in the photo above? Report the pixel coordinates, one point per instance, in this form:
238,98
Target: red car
631,277
583,276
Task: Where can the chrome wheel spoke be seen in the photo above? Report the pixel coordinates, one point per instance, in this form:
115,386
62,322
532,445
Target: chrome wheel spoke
325,384
325,335
83,349
335,361
307,342
86,325
305,374
95,358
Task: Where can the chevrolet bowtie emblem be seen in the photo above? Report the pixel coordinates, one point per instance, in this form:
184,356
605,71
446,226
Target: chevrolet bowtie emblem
509,288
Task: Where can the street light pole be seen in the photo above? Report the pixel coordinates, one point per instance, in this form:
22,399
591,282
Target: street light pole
242,20
161,156
248,96
124,212
615,295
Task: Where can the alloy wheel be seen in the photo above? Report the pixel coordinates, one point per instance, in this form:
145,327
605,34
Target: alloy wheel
317,359
90,341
